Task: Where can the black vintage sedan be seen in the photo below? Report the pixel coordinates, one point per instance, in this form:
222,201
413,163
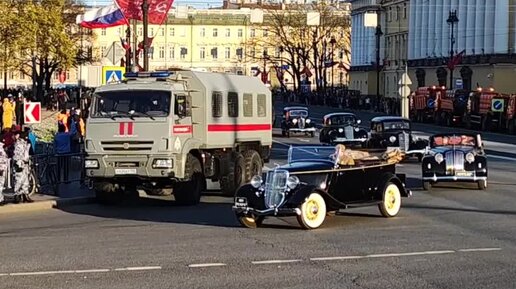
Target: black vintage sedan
296,119
455,158
395,131
312,184
342,128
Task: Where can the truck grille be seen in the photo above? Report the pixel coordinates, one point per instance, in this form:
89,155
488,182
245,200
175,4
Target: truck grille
403,139
275,187
454,161
125,146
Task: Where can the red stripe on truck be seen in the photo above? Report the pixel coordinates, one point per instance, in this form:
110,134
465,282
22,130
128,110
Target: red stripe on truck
182,129
238,127
121,128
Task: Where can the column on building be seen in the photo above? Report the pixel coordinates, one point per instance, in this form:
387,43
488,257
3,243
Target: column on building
438,28
418,19
411,30
431,35
455,7
479,25
425,31
354,34
361,39
445,38
489,27
501,28
461,27
371,45
470,27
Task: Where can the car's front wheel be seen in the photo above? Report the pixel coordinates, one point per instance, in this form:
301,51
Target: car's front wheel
482,185
427,186
391,204
313,212
249,221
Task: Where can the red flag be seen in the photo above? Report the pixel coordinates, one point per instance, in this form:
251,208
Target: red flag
158,9
125,44
457,59
149,43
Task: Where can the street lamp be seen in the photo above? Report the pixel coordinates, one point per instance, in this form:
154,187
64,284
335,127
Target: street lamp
145,10
264,73
281,66
332,42
378,34
452,19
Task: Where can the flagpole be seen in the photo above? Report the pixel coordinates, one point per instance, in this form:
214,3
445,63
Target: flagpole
135,46
128,49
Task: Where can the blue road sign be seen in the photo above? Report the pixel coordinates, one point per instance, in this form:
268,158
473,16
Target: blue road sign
430,103
112,74
497,105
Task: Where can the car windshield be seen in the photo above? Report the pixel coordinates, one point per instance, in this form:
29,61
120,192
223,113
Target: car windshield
341,119
310,153
299,112
453,140
396,125
134,103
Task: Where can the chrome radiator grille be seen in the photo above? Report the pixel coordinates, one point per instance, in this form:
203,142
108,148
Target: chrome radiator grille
301,122
275,187
349,131
454,160
403,139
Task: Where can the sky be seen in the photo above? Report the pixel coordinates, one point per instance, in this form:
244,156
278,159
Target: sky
195,3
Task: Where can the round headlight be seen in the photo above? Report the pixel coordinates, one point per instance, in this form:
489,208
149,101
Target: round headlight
357,129
439,158
256,181
292,182
392,139
308,121
294,120
470,157
340,130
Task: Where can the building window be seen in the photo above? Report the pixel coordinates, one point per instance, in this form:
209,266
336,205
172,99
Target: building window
397,12
203,32
215,32
202,53
253,52
22,75
171,52
240,32
341,54
227,53
232,104
389,15
103,31
228,32
265,32
151,31
183,32
172,32
214,53
140,31
162,52
184,52
253,32
261,105
216,104
404,10
248,105
162,31
239,53
103,51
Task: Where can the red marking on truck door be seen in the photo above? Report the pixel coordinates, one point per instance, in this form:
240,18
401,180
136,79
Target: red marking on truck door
121,128
130,128
238,127
125,129
182,129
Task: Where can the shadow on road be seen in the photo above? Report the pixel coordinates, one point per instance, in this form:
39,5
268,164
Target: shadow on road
426,207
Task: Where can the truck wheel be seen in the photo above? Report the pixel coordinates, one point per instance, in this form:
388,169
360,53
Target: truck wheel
235,178
107,193
253,165
511,127
188,192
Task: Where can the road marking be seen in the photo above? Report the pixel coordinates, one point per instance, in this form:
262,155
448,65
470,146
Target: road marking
336,258
275,261
304,140
206,265
92,271
41,273
480,250
139,268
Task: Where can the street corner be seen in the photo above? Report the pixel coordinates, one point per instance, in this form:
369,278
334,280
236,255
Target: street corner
41,205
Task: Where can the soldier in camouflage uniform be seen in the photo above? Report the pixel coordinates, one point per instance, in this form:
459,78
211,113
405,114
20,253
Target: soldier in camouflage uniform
4,164
21,168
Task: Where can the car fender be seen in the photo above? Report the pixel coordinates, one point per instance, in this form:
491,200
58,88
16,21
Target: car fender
303,191
390,177
249,192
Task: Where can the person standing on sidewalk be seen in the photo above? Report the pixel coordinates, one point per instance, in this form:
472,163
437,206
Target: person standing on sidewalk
62,148
4,164
21,168
8,112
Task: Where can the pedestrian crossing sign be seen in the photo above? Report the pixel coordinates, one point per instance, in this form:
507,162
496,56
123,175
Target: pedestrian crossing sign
112,74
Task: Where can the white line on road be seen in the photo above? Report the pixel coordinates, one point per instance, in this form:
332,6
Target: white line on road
275,261
206,265
480,250
139,268
92,271
41,273
336,258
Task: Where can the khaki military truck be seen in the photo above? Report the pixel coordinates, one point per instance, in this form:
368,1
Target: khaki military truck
168,132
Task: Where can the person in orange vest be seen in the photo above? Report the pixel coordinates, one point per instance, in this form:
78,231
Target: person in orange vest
62,118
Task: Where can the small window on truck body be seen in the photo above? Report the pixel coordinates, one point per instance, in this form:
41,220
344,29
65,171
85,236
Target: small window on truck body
261,105
216,104
182,105
248,104
232,104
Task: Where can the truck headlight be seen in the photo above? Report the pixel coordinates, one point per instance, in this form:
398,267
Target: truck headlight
392,139
292,182
470,157
163,163
256,181
91,164
439,158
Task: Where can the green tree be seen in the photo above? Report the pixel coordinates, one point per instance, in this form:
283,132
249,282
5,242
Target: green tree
9,44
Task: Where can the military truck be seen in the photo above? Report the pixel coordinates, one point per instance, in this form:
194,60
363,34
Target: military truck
424,103
485,109
167,132
452,107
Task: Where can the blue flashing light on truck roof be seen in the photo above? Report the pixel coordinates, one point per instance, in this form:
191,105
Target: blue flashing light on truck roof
157,74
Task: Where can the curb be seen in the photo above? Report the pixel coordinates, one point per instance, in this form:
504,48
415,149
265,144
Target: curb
45,205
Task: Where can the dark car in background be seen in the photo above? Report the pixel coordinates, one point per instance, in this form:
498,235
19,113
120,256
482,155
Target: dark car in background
342,128
295,119
395,131
455,158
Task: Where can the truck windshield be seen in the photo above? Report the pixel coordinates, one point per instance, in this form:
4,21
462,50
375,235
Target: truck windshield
134,103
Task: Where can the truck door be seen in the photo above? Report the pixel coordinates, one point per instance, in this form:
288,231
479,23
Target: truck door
182,128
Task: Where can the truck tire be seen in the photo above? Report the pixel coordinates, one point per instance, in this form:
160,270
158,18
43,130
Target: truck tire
253,165
107,193
188,192
235,178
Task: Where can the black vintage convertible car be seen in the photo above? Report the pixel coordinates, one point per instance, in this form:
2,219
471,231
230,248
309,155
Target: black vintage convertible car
455,158
343,128
295,119
395,131
312,184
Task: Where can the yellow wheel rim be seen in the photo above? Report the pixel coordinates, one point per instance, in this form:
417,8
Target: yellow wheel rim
312,210
390,199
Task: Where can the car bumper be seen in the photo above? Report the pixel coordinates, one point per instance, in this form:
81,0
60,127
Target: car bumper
310,129
268,212
347,140
455,178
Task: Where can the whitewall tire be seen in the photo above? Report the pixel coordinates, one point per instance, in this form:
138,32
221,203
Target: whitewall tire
313,212
391,204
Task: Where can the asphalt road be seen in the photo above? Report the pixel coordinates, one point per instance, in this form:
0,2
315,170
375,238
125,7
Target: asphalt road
449,237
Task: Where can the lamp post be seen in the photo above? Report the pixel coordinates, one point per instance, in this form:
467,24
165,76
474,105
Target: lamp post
281,67
332,42
378,34
452,19
145,10
264,73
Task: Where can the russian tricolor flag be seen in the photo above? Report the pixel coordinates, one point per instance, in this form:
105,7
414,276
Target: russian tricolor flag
104,17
